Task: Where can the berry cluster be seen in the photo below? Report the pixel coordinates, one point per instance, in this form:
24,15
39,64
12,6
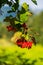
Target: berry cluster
10,28
27,44
24,44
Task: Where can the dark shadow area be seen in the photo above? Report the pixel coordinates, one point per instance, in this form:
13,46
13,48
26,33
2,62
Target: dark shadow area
41,59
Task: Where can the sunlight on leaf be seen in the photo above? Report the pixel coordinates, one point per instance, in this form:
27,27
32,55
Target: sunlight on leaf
25,6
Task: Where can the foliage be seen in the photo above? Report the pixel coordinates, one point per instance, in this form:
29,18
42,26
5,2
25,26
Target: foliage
21,17
13,55
35,28
18,23
3,2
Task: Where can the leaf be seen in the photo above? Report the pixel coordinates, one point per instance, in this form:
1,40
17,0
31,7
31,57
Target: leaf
15,5
25,6
27,37
34,1
17,22
16,36
24,17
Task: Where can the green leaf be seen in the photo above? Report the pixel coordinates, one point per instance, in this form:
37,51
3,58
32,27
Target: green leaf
15,6
27,37
16,22
25,6
24,17
34,1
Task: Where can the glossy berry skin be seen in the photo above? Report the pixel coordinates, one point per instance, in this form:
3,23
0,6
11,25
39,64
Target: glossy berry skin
24,45
9,28
29,44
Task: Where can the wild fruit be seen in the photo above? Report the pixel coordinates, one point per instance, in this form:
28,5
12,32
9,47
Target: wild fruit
24,45
19,42
29,44
24,25
10,28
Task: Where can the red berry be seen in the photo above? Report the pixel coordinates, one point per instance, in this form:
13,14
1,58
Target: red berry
29,44
19,42
9,28
24,45
24,25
